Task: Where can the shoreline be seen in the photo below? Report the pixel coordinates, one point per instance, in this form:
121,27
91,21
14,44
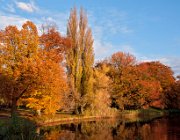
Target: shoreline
54,122
127,116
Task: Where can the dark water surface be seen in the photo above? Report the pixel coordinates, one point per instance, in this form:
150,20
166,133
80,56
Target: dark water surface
166,128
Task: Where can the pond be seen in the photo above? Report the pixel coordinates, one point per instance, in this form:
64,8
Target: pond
166,128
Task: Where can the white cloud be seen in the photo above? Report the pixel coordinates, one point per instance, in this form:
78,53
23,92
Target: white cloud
106,49
11,20
28,7
42,16
18,21
173,62
102,49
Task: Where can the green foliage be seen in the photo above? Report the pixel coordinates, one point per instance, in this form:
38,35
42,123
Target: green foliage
80,59
141,115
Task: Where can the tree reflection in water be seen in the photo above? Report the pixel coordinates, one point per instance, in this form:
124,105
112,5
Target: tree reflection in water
159,129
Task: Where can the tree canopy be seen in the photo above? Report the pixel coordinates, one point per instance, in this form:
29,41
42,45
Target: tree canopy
49,72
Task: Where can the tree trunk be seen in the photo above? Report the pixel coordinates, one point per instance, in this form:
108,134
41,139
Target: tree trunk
13,107
77,110
81,109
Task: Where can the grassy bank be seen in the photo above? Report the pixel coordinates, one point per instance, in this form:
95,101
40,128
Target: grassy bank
141,114
62,118
126,116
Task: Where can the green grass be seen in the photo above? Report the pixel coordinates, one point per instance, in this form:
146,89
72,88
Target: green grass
141,114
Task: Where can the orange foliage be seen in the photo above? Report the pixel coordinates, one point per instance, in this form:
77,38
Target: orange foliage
172,96
29,72
55,44
157,71
124,75
121,59
18,49
151,91
158,78
50,86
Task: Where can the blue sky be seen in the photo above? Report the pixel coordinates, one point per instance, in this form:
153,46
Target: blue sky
149,29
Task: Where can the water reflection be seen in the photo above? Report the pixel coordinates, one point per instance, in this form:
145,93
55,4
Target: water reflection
159,129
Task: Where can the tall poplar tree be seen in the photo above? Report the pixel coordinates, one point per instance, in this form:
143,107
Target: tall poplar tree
80,59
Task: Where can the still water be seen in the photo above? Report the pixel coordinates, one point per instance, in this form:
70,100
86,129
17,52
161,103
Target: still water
167,128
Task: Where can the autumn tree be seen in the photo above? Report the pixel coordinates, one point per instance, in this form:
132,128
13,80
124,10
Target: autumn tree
150,92
102,99
121,71
121,59
158,71
18,48
80,59
172,96
130,90
162,77
29,72
55,44
47,95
